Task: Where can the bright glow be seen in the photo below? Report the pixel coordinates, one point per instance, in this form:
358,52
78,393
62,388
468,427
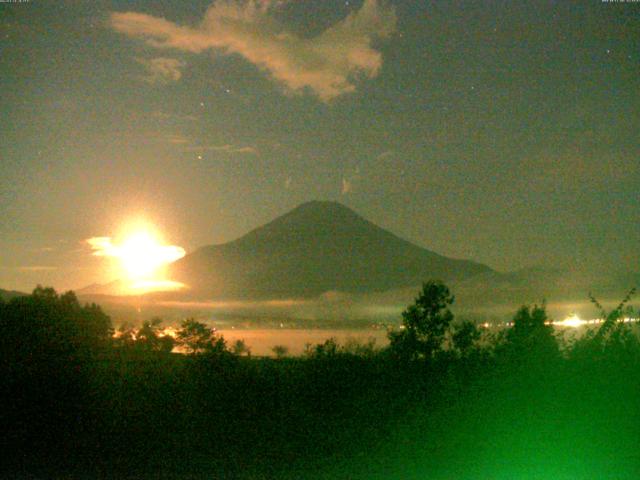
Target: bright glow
141,256
573,321
156,285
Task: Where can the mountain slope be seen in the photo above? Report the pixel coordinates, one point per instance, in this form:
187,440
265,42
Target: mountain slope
315,248
7,295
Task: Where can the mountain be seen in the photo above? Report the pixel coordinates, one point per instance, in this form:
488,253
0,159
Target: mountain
115,287
7,295
316,248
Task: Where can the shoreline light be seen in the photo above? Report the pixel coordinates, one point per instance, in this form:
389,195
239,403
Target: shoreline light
573,322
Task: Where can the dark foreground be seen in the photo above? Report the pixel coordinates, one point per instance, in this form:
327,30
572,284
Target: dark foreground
77,404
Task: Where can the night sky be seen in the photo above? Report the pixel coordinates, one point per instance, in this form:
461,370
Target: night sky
504,132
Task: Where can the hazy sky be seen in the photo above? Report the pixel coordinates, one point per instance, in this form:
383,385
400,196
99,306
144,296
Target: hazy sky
507,132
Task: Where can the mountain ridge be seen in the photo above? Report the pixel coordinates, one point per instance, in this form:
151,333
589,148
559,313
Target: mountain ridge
318,246
7,295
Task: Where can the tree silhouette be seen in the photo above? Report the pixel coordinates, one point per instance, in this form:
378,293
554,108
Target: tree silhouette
196,337
465,337
56,326
424,324
240,347
125,336
166,343
49,348
149,337
531,336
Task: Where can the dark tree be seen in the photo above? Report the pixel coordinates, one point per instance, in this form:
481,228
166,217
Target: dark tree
240,348
48,325
166,343
196,337
424,324
148,333
48,348
531,336
465,338
125,336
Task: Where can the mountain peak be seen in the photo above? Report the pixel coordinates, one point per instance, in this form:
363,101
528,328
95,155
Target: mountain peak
318,246
309,222
320,208
324,205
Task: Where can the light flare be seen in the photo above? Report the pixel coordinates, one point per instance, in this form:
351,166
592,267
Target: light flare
573,322
144,286
141,256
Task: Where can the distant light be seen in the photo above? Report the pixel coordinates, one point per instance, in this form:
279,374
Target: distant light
573,321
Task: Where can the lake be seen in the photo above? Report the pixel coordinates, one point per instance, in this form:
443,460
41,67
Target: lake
261,341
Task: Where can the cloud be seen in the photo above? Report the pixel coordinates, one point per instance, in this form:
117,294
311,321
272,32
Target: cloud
347,186
177,139
189,145
325,64
232,149
227,148
161,70
385,155
101,246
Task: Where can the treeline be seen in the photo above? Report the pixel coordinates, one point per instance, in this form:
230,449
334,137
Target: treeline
442,400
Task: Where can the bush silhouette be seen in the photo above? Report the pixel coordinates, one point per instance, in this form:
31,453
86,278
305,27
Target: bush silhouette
280,351
614,339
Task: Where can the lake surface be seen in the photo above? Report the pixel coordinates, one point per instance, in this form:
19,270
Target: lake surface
261,341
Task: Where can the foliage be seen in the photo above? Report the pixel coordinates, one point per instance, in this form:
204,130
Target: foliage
45,324
330,348
240,348
48,349
424,323
465,338
197,337
531,337
77,405
357,348
149,337
614,338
